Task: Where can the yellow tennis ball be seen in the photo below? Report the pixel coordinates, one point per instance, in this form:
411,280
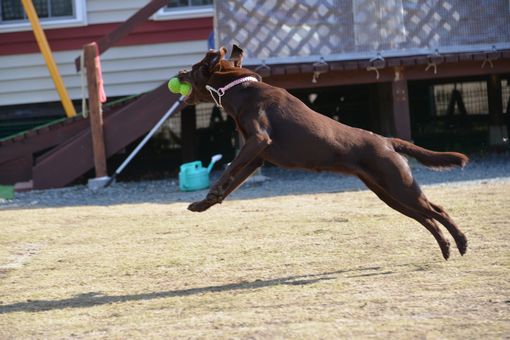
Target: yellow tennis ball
185,89
174,85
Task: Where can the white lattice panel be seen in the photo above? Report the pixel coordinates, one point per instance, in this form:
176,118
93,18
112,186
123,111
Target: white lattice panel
351,29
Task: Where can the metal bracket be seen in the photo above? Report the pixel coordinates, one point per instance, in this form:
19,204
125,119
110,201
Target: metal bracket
490,56
318,68
434,59
377,63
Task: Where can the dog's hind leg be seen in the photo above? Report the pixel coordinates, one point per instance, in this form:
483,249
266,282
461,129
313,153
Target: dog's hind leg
428,223
394,177
442,216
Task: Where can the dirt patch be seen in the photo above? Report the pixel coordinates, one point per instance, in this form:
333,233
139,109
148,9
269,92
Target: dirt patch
19,256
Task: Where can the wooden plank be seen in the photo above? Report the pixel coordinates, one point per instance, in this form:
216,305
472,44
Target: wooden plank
336,66
16,170
460,69
498,130
95,114
68,162
278,70
350,65
306,68
124,28
383,107
495,98
400,105
61,166
133,121
451,58
408,61
292,69
363,64
413,72
40,141
331,78
466,57
394,62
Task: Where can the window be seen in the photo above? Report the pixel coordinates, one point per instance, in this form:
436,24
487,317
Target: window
188,3
180,9
52,13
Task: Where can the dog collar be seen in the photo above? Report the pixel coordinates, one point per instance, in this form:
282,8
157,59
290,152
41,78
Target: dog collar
221,91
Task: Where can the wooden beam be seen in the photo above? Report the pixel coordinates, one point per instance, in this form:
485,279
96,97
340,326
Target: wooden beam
498,133
347,76
126,27
40,140
400,105
16,170
383,106
95,111
495,97
70,160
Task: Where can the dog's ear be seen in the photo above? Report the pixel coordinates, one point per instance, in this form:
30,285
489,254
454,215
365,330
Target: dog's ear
237,55
214,57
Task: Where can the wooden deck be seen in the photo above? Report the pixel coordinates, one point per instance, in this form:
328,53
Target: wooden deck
54,156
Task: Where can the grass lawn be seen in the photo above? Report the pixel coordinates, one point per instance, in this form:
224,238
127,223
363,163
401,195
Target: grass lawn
307,266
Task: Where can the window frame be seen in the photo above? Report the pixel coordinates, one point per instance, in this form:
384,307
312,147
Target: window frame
184,12
80,19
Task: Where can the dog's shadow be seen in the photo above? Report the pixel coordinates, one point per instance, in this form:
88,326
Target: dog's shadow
92,299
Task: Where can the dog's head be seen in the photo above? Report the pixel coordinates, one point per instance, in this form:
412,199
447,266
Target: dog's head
201,73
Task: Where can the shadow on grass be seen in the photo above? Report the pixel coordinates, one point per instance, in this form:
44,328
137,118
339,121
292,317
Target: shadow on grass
97,299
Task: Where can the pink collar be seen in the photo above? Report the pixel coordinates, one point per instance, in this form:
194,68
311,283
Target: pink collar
221,91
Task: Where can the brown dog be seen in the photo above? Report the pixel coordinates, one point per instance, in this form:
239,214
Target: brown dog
279,128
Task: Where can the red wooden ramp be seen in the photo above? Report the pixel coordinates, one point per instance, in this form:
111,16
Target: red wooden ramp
56,157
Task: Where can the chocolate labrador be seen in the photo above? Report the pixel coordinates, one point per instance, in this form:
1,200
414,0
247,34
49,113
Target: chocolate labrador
279,128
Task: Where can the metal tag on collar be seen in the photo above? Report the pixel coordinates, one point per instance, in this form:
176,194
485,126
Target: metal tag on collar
219,92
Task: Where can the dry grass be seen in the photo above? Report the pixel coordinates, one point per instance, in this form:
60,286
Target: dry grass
309,266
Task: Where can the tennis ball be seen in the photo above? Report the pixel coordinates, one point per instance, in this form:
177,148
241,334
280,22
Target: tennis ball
185,89
174,85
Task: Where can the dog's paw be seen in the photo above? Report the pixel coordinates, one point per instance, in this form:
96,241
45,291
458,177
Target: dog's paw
200,206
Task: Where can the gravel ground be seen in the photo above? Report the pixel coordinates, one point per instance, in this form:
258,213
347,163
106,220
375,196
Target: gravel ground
493,167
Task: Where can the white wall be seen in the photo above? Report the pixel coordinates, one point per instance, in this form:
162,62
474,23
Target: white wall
126,70
104,11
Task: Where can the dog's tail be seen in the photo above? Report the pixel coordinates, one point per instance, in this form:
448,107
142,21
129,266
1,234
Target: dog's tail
432,159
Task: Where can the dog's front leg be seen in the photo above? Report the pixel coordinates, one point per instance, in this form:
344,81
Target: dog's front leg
246,162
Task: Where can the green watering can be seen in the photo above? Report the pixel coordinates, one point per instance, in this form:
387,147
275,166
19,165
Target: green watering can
193,176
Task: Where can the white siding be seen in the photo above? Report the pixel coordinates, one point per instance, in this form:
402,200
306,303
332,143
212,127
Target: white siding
104,11
126,70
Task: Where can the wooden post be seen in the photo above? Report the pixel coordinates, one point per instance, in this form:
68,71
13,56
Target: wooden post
393,98
383,105
498,133
95,112
401,114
